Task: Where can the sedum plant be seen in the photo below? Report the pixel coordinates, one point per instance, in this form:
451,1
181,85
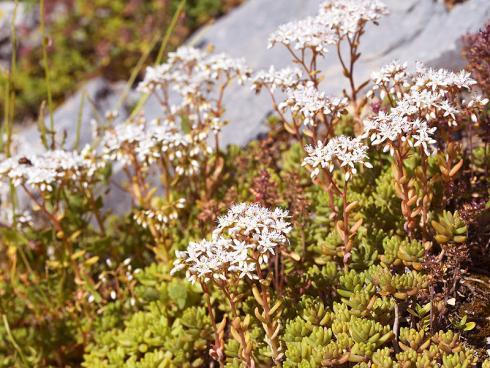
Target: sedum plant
309,247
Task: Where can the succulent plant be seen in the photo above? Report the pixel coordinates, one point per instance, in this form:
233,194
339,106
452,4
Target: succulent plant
450,228
351,276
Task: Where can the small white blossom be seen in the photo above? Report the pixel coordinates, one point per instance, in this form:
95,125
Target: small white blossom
343,151
191,72
51,168
146,143
442,79
395,73
309,102
391,129
423,136
273,79
244,239
155,78
309,33
159,218
348,17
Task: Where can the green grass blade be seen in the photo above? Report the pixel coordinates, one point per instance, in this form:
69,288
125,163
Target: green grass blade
141,102
44,44
76,144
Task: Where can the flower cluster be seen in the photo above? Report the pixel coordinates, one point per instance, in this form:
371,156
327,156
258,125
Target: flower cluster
192,74
311,33
442,79
155,78
145,142
348,17
342,151
309,102
244,240
273,79
336,20
161,217
394,128
420,102
44,171
389,77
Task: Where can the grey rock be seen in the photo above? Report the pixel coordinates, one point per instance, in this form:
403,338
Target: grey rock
415,30
91,101
25,18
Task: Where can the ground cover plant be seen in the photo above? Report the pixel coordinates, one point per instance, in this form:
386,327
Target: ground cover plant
354,234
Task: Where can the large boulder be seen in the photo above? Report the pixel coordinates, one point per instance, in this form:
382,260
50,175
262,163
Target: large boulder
415,30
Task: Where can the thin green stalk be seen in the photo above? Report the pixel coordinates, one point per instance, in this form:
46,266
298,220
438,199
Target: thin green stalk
46,65
13,342
10,107
136,71
41,126
169,31
10,93
161,51
76,144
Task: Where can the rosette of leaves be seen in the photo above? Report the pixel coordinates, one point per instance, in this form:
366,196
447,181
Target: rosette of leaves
401,286
403,252
152,337
450,229
314,311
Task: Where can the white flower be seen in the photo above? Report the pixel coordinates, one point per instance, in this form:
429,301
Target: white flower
282,79
147,142
309,33
191,72
399,126
155,78
318,157
477,100
159,218
428,98
393,72
442,79
220,65
336,20
342,151
186,55
423,137
347,17
309,102
243,240
45,170
475,105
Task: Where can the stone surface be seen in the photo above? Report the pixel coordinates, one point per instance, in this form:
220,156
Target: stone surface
416,30
94,98
25,17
